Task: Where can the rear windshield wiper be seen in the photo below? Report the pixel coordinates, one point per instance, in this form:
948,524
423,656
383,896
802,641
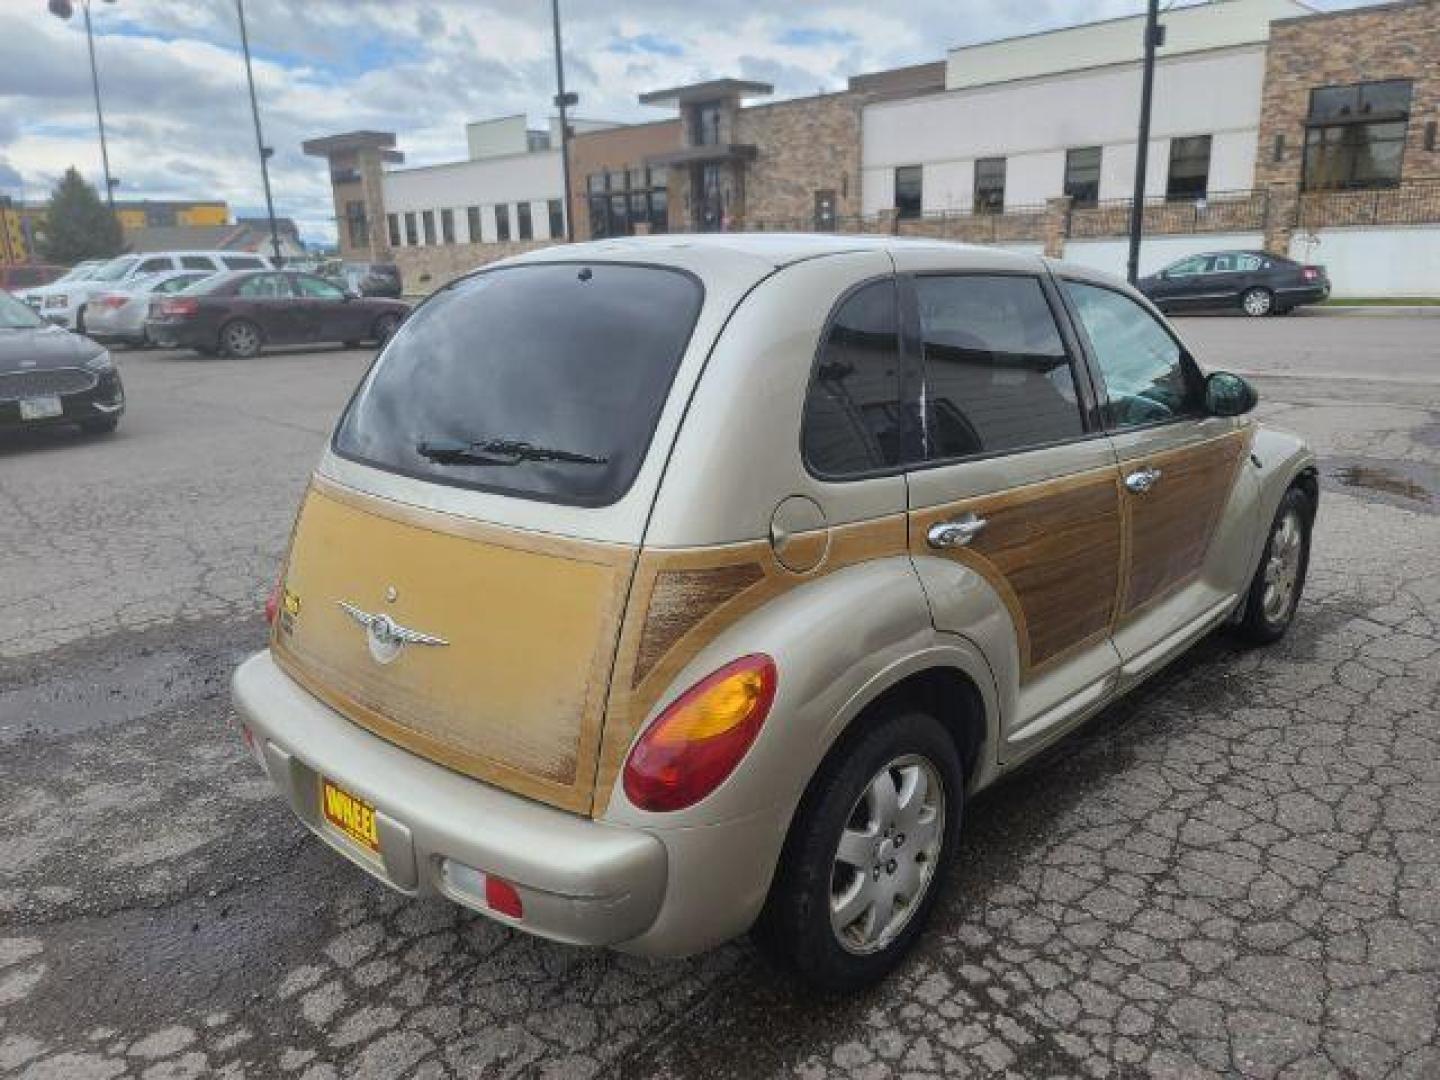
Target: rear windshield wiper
497,452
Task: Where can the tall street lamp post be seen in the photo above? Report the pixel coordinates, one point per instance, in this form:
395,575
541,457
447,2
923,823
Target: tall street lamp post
1154,38
563,101
260,147
63,9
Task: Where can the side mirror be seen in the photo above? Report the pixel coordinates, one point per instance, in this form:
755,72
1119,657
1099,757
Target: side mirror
1228,395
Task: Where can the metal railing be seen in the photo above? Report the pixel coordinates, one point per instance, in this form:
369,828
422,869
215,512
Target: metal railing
1412,202
1218,211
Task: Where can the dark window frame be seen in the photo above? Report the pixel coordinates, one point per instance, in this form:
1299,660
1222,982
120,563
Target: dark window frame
1087,201
1181,142
984,201
555,210
427,226
909,212
524,221
1360,120
644,452
474,224
447,226
502,223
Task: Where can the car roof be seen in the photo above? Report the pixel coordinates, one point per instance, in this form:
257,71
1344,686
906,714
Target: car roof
771,249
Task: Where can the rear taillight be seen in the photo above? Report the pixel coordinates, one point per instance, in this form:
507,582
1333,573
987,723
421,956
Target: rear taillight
179,307
110,300
1310,273
272,602
501,896
698,740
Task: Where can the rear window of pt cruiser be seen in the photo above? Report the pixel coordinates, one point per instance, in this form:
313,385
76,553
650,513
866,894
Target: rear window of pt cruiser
542,381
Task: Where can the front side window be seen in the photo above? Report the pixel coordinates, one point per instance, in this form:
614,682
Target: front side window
316,289
241,262
1082,175
153,266
990,185
1195,264
197,262
997,374
1355,135
1148,377
543,381
392,222
1189,175
909,183
412,236
855,419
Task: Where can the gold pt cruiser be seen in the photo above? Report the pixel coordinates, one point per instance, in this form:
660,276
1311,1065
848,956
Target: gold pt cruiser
651,591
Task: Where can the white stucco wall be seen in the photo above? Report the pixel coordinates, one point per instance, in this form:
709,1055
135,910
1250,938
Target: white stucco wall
1156,252
1375,262
1032,122
533,178
1114,41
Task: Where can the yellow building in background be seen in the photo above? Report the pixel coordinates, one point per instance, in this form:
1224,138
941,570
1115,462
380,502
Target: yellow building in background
21,223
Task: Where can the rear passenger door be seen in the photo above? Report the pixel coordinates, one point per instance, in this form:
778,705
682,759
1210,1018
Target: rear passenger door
1017,490
268,301
1184,558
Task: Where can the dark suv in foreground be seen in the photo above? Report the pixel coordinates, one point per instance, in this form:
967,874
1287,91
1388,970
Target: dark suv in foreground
1256,282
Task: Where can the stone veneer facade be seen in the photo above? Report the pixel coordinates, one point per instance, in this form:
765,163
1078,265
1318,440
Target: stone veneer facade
424,269
801,147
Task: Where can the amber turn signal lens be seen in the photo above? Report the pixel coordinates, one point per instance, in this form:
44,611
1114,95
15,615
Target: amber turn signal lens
696,743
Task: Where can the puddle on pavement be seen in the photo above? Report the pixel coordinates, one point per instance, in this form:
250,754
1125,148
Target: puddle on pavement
1410,482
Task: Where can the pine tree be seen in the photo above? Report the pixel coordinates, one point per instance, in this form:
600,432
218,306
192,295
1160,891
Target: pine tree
78,225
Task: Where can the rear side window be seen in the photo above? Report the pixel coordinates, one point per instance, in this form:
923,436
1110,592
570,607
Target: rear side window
542,381
997,374
197,262
855,419
154,266
242,262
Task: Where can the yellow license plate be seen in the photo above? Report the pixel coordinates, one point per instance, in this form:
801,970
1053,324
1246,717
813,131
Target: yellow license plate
351,815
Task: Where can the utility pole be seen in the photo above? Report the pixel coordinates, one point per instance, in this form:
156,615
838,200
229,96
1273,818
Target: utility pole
1154,38
63,9
563,101
263,150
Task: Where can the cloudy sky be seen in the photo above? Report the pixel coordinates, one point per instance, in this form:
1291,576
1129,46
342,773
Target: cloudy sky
177,115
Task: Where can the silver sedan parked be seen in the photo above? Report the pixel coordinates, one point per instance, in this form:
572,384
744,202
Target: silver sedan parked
117,316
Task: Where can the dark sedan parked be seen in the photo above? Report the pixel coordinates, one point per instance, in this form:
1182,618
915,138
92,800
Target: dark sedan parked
1256,282
51,376
239,313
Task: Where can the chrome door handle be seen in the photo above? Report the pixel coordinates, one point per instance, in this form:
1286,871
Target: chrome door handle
957,533
1142,480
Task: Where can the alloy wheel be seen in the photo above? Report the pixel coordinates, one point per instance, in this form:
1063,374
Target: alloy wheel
887,854
1282,569
241,339
1257,302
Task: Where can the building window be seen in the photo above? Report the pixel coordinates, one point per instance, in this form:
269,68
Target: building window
596,183
393,221
557,219
711,203
523,225
447,226
411,236
909,180
1355,135
599,217
705,124
358,226
502,223
427,220
990,185
1189,168
472,220
1082,175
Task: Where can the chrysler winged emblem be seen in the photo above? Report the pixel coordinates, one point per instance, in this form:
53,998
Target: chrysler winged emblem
385,636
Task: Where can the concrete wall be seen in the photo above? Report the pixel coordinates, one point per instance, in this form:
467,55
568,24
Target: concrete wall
498,137
518,178
1402,261
1115,41
1032,123
1156,253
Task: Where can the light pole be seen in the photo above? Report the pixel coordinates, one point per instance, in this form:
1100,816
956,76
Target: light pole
563,101
260,147
63,9
1154,38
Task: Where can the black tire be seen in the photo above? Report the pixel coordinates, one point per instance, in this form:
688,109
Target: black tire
100,425
384,326
795,927
240,338
1257,302
1264,620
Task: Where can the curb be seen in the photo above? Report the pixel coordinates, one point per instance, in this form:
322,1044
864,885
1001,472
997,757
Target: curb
1380,311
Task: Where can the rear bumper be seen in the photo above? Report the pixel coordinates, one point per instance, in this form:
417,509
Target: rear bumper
580,881
180,334
1291,295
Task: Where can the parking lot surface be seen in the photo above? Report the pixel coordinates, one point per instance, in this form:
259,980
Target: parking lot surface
1235,871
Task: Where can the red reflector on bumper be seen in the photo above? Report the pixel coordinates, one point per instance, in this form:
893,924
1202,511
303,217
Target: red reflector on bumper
501,896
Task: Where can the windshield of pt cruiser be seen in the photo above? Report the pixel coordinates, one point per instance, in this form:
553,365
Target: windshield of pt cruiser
543,381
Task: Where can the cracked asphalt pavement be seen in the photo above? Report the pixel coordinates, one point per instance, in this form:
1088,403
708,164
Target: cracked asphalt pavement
1235,871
